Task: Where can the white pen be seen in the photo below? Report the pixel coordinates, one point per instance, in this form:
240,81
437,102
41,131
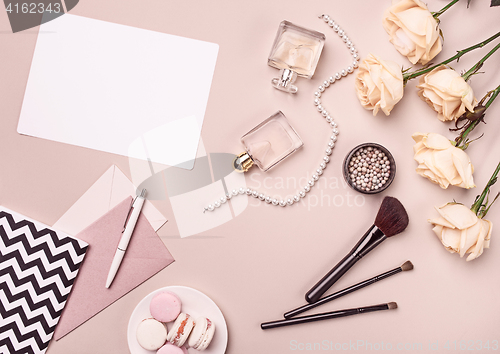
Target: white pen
132,217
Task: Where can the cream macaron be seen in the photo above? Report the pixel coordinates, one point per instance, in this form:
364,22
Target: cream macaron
181,329
151,334
202,334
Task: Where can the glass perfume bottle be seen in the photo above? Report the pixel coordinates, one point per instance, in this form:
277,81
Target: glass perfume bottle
296,51
267,144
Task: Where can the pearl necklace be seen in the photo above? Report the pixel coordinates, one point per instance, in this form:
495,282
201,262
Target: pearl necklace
317,102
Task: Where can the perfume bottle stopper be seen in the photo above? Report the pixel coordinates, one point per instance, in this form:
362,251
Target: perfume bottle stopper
242,162
296,51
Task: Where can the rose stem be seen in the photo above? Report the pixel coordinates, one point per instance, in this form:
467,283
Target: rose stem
480,198
475,123
479,64
440,12
460,53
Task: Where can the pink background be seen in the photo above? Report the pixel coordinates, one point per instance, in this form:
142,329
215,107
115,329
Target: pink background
261,264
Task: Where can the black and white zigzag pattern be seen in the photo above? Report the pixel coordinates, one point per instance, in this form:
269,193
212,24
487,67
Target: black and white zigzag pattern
37,269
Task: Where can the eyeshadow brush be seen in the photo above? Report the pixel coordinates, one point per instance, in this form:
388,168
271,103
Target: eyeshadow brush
406,266
391,220
328,315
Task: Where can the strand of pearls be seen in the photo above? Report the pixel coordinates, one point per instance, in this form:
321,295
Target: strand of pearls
324,113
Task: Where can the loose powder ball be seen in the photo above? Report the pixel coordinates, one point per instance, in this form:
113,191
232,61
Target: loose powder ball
369,169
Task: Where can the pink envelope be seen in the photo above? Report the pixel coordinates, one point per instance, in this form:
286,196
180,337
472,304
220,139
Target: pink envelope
146,255
109,190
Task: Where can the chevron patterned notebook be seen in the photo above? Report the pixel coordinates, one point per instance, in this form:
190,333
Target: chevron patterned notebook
38,266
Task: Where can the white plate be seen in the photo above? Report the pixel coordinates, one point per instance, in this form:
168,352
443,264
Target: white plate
194,303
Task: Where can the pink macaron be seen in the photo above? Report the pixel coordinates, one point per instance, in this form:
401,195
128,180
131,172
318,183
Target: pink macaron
202,334
169,348
165,306
181,329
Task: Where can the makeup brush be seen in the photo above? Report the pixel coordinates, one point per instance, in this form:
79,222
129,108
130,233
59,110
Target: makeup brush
391,220
328,315
403,268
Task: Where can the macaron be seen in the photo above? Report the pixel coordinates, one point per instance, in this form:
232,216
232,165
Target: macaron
165,306
202,334
169,348
181,329
151,334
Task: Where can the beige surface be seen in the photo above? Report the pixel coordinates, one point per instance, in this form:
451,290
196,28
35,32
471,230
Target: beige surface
257,272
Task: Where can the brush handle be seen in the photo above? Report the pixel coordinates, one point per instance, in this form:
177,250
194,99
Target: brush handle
330,278
323,316
342,292
371,239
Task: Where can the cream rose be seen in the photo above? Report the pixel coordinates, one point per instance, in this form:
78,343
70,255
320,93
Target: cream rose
379,84
412,30
447,93
441,162
461,231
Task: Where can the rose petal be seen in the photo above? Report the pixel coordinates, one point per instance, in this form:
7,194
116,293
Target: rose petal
446,92
430,163
458,215
436,142
418,137
415,21
452,107
419,148
443,161
413,30
451,238
469,237
432,41
478,250
464,168
446,82
422,156
379,84
403,44
438,230
433,97
441,222
488,236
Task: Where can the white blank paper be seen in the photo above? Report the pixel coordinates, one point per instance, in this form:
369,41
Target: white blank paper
110,87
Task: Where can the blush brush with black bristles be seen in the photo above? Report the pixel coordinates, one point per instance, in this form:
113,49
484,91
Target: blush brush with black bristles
391,220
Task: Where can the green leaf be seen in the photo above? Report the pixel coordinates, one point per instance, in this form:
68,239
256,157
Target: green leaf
495,3
468,3
441,34
487,207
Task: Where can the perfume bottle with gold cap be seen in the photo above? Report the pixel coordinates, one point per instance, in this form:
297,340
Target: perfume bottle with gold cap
267,144
296,51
